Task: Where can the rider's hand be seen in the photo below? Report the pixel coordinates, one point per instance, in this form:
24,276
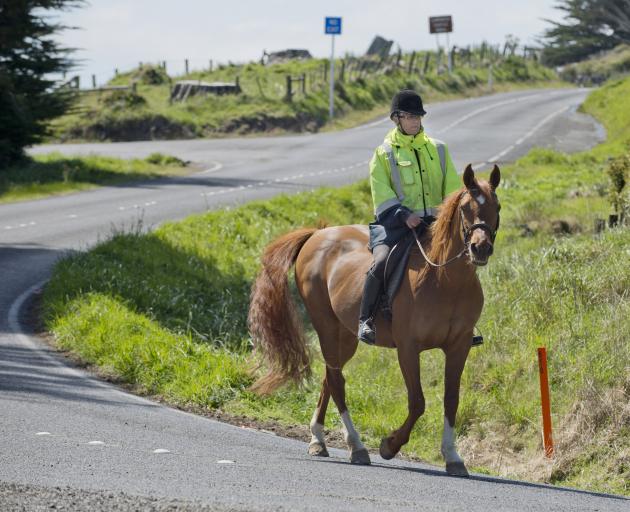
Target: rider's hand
413,221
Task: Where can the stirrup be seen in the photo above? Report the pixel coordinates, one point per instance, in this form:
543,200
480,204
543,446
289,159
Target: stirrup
366,333
477,340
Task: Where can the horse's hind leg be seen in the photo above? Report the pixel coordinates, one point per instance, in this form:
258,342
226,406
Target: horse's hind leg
336,381
317,445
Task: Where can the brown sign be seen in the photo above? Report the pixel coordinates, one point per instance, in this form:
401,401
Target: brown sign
440,24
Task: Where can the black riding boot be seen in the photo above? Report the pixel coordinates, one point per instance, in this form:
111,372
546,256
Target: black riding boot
371,294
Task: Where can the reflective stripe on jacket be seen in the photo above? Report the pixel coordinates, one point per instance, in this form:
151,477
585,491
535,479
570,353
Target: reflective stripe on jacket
424,186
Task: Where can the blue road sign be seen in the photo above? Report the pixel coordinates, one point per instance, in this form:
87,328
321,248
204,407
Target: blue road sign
333,25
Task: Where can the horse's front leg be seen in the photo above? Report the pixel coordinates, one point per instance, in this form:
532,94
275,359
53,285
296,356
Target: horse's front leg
409,361
454,367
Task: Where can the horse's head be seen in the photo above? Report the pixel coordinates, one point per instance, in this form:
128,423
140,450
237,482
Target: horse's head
479,208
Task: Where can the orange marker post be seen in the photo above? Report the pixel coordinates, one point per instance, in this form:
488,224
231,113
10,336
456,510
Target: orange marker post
545,402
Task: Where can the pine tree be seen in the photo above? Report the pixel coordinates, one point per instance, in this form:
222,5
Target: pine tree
28,56
590,26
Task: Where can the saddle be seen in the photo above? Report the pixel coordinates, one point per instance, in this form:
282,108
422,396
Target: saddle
395,269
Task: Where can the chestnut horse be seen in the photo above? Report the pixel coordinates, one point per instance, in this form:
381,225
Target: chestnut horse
437,306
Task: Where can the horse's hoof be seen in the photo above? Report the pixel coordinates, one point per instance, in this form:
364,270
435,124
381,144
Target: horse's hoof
317,450
457,469
385,451
361,457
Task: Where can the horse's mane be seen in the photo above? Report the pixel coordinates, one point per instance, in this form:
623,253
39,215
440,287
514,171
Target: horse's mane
443,233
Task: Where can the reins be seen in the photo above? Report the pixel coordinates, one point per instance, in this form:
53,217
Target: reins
437,265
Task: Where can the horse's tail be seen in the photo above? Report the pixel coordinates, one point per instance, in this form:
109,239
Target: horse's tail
273,319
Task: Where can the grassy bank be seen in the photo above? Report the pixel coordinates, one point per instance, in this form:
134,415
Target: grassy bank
166,313
366,87
55,174
598,69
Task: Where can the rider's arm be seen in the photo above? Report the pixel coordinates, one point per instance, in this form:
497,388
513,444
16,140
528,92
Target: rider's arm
387,207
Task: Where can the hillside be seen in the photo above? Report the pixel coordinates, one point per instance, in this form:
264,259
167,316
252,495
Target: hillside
363,90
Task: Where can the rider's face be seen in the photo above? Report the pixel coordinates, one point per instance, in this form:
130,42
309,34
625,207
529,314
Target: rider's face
410,123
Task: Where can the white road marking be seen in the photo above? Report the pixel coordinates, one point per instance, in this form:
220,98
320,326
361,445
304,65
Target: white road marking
43,434
225,462
485,109
96,443
72,216
531,132
161,450
216,166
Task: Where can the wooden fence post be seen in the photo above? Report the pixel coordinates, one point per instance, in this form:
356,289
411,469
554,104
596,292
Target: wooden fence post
427,60
289,94
186,64
93,81
411,62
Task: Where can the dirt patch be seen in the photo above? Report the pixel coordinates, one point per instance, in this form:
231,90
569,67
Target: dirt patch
158,127
265,123
154,127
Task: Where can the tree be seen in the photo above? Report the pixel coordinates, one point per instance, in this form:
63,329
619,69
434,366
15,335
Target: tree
590,26
28,56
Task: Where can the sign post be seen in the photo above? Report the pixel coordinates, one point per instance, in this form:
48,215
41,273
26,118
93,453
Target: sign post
442,25
332,27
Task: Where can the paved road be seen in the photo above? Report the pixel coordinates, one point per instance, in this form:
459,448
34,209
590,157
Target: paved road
71,441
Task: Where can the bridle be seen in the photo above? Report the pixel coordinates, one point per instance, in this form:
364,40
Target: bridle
467,232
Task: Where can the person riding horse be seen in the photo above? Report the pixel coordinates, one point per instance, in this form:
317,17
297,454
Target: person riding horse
410,175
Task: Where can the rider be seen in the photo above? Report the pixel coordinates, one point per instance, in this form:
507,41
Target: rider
410,175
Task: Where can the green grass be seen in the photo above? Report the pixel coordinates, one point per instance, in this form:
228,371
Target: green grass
55,174
262,107
166,312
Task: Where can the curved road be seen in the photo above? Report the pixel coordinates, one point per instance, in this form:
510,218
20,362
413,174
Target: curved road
72,441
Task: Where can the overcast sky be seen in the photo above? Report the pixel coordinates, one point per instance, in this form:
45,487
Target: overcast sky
121,33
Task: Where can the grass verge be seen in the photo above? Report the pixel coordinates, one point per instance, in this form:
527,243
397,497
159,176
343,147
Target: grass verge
55,174
166,312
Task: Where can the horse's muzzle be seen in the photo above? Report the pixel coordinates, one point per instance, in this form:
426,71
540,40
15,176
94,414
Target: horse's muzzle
480,252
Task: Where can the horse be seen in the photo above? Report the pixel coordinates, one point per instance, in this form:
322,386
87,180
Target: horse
436,307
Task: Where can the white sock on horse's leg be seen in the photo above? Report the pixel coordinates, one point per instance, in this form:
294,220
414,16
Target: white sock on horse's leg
352,436
449,451
317,429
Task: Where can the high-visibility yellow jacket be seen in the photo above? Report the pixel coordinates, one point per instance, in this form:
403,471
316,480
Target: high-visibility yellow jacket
423,183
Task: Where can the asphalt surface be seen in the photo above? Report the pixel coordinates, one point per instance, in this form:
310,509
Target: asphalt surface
71,442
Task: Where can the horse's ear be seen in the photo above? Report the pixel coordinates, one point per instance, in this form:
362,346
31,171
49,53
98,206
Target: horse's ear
469,177
495,177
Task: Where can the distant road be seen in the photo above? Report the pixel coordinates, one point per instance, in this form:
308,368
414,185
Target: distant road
109,450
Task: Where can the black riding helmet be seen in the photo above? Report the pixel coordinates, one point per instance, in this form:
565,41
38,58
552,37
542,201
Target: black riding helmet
407,101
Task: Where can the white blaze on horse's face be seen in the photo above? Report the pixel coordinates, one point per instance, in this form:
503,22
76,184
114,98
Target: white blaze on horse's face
480,215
